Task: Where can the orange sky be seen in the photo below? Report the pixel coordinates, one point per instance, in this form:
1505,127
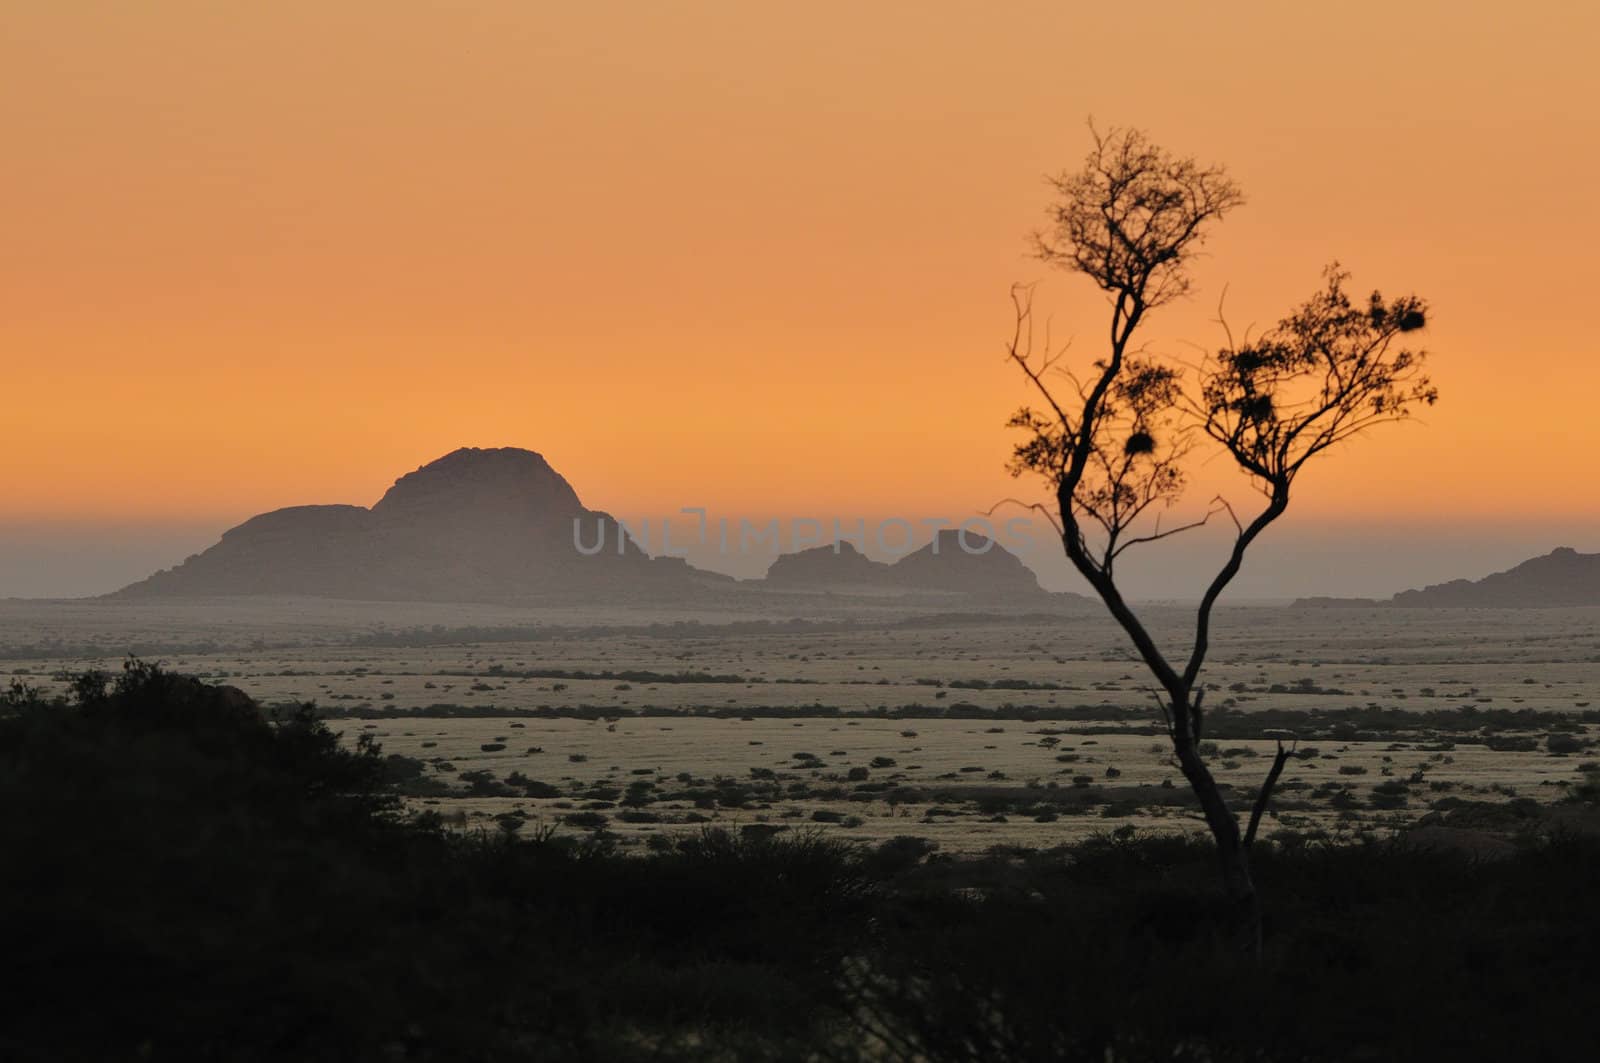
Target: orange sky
749,256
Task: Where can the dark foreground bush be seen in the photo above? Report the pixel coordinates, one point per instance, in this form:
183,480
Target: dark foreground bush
184,878
1377,951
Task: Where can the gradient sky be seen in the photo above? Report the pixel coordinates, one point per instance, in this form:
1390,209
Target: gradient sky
748,256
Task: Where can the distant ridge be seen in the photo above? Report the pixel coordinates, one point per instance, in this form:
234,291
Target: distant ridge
826,568
1563,577
953,562
497,525
967,564
1325,602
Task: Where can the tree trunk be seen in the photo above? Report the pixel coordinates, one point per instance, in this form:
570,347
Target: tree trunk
1244,906
1244,902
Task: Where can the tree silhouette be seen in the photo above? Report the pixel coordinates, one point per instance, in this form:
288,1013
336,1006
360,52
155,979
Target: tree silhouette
1113,443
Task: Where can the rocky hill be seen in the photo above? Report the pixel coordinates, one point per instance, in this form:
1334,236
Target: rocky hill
475,525
501,525
827,568
948,564
971,564
1562,577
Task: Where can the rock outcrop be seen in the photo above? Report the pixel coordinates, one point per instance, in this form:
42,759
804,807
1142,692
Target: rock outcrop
827,568
952,563
475,525
501,525
965,563
1562,577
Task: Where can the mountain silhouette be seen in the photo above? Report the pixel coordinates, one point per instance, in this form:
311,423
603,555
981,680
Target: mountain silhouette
475,525
501,525
1563,577
967,563
952,562
827,568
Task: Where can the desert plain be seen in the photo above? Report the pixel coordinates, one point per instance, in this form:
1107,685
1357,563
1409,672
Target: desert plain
973,727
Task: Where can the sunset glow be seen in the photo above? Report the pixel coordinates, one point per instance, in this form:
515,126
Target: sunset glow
746,256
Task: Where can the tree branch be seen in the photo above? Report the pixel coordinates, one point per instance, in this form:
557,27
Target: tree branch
1037,507
1158,534
1266,790
1202,633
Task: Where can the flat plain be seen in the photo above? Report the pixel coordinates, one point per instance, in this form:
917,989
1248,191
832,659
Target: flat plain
973,728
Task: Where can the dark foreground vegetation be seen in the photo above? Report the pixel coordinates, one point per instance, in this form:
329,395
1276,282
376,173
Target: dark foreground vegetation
185,878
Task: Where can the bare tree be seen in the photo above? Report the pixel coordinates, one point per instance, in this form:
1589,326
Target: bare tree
1112,440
